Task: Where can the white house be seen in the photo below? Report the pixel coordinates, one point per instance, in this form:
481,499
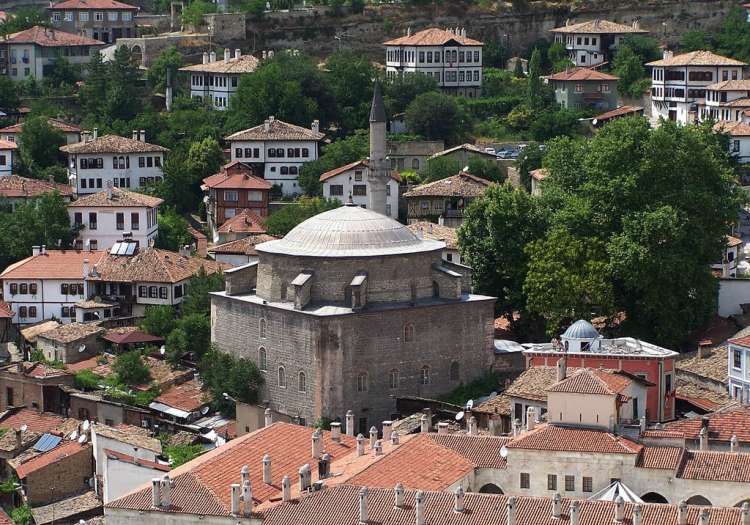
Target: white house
278,150
71,132
32,52
739,138
125,472
447,55
738,369
352,181
6,156
124,163
592,43
727,100
438,232
103,218
679,82
215,81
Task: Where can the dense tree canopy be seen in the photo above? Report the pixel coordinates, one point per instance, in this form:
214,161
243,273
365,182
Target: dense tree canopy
39,145
437,116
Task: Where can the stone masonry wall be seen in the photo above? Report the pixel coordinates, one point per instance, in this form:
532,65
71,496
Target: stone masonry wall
64,478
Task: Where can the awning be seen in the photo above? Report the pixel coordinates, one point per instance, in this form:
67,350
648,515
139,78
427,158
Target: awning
166,409
617,488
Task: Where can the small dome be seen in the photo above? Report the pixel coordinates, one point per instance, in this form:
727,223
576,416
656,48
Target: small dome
349,231
581,330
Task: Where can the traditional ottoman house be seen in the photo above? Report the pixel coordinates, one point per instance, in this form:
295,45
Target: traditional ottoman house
15,189
7,150
72,133
215,81
593,42
105,20
445,200
581,88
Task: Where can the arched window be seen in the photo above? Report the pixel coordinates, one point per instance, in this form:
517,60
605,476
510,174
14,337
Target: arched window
415,164
284,170
424,377
455,371
262,359
408,332
394,378
262,328
282,377
302,382
362,382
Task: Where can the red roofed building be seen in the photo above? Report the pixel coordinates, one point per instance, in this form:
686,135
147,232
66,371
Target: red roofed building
18,189
244,224
33,385
739,369
6,157
231,191
72,133
30,53
581,87
105,20
351,181
183,402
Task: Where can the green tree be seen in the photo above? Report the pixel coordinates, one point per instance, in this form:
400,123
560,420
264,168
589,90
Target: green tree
486,169
197,300
130,369
403,89
282,221
629,67
694,40
158,320
534,93
437,116
39,145
518,69
336,154
193,14
557,55
8,94
734,37
62,73
88,380
646,47
181,454
177,345
22,18
494,54
168,60
173,230
553,123
237,377
349,76
93,91
439,168
184,171
493,238
197,327
529,159
122,99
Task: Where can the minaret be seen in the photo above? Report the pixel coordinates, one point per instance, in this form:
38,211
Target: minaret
377,167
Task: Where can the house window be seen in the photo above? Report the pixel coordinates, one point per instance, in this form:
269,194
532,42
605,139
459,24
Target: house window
394,379
24,288
336,190
127,16
32,311
454,371
579,88
362,382
56,16
162,292
22,312
93,244
588,484
142,291
153,292
262,359
424,377
32,288
120,220
358,175
64,289
112,16
135,221
230,196
570,483
301,382
525,480
238,152
667,383
99,16
735,146
305,153
359,190
551,481
83,16
178,291
282,377
13,288
736,359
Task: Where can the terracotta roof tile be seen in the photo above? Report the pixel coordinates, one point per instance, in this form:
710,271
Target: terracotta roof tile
482,451
14,187
433,36
187,396
92,4
55,123
359,163
436,232
730,85
68,333
118,198
129,434
247,221
113,454
533,382
712,366
592,381
112,144
7,145
45,37
568,439
741,341
462,185
662,434
277,130
539,174
34,421
618,112
63,450
735,129
469,148
152,265
62,511
53,264
703,398
499,404
722,424
593,27
243,64
236,175
581,74
244,246
6,312
36,370
660,458
715,466
31,333
697,58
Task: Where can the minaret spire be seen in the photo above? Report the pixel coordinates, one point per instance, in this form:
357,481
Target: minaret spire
377,167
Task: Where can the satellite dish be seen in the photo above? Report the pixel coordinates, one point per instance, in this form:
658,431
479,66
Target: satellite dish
504,452
86,425
163,350
81,349
460,416
595,122
204,410
74,435
469,404
82,439
24,428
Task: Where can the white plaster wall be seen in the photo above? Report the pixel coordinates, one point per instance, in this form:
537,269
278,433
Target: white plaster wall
121,478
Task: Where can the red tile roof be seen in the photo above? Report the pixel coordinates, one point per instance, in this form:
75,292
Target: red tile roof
567,439
741,341
715,466
116,198
581,73
236,176
119,336
5,311
722,424
201,486
660,457
734,129
42,36
662,434
359,163
37,370
482,451
14,187
594,27
187,396
113,454
34,421
462,185
247,221
243,246
696,58
152,265
433,36
277,130
619,112
53,264
4,518
55,123
407,465
340,505
92,4
592,381
6,145
113,144
63,450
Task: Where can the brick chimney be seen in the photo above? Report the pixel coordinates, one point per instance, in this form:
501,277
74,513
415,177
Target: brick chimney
156,492
363,506
704,348
267,469
399,492
166,491
336,432
472,426
387,429
19,439
562,368
349,423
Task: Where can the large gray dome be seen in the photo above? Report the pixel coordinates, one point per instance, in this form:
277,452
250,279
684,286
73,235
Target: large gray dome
581,330
349,231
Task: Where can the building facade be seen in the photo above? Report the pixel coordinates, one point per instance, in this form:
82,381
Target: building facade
445,200
581,88
72,133
277,150
592,43
15,189
113,161
335,321
7,150
739,139
738,369
727,100
680,82
104,218
215,81
352,182
448,56
104,20
412,155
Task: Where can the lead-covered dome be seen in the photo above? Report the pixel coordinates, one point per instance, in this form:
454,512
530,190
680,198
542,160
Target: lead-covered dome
349,231
581,329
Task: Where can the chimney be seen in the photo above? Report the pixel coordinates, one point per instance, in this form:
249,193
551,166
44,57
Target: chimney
556,506
227,55
619,509
237,54
143,135
530,418
387,429
575,512
349,423
642,422
442,427
703,517
360,445
373,436
156,492
682,511
135,134
85,268
19,439
746,513
704,348
36,250
428,412
637,514
562,368
423,424
636,24
205,57
408,31
264,55
472,426
212,56
510,507
363,506
315,126
458,499
703,437
166,491
266,126
667,54
286,489
247,498
336,432
96,133
43,251
734,445
394,437
324,466
267,469
378,448
268,418
304,477
399,490
516,427
235,505
244,474
419,507
316,444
